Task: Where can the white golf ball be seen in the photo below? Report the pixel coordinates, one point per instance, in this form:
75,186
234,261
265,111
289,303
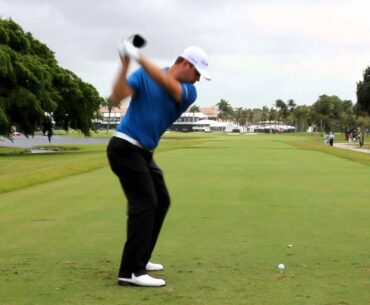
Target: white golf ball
281,266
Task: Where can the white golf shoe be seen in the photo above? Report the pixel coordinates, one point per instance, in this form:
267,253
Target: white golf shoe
144,280
153,267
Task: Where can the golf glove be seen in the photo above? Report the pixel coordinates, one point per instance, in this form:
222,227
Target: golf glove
121,49
131,50
130,46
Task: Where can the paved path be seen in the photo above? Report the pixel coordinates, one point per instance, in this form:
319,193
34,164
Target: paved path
22,141
365,148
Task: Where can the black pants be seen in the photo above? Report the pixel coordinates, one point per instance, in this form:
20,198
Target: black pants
148,201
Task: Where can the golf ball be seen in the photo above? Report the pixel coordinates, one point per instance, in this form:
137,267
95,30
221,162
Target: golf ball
281,266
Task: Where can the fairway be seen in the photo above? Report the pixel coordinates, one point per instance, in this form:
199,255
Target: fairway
240,206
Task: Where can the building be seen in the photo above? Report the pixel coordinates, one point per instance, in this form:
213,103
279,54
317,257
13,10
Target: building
111,119
206,120
199,121
187,120
211,112
271,127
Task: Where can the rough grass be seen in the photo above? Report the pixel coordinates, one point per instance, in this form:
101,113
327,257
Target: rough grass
237,203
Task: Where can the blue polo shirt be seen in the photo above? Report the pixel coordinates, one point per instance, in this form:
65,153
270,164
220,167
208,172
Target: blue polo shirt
152,109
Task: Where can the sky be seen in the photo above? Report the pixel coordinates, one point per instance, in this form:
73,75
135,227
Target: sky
259,51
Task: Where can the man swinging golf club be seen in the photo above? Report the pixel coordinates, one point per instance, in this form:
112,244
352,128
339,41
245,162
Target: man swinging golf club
158,98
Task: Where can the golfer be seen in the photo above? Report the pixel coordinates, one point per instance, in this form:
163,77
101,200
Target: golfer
158,98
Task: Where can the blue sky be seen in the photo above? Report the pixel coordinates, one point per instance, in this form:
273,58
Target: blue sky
259,51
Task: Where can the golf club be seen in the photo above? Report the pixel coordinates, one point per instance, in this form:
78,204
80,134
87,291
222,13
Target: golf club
137,40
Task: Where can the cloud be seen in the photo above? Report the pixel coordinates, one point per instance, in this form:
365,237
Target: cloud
259,50
321,24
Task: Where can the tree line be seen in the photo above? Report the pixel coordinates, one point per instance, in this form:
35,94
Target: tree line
327,113
35,91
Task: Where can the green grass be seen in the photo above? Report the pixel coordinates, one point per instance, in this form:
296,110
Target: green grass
237,203
23,170
77,134
19,169
12,151
313,142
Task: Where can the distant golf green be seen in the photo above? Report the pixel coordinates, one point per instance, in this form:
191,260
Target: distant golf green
241,204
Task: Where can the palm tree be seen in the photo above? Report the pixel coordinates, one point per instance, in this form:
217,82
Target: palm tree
194,109
240,116
282,110
291,105
279,105
272,114
301,115
109,104
226,111
250,116
265,113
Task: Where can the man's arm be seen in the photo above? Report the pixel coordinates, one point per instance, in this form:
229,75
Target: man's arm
121,88
166,80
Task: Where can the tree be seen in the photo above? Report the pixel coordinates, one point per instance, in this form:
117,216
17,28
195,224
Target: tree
301,115
348,118
363,123
363,92
282,110
256,115
240,116
226,111
265,113
250,115
109,104
272,114
327,111
291,105
194,108
34,89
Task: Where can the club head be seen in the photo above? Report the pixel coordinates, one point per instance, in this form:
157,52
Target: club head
138,41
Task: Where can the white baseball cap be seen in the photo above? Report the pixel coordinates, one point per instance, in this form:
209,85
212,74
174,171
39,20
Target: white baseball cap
199,59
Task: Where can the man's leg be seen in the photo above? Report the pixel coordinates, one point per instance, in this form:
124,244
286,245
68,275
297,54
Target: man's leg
163,202
130,164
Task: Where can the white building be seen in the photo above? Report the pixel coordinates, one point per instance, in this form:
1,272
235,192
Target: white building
198,121
110,118
271,127
187,117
